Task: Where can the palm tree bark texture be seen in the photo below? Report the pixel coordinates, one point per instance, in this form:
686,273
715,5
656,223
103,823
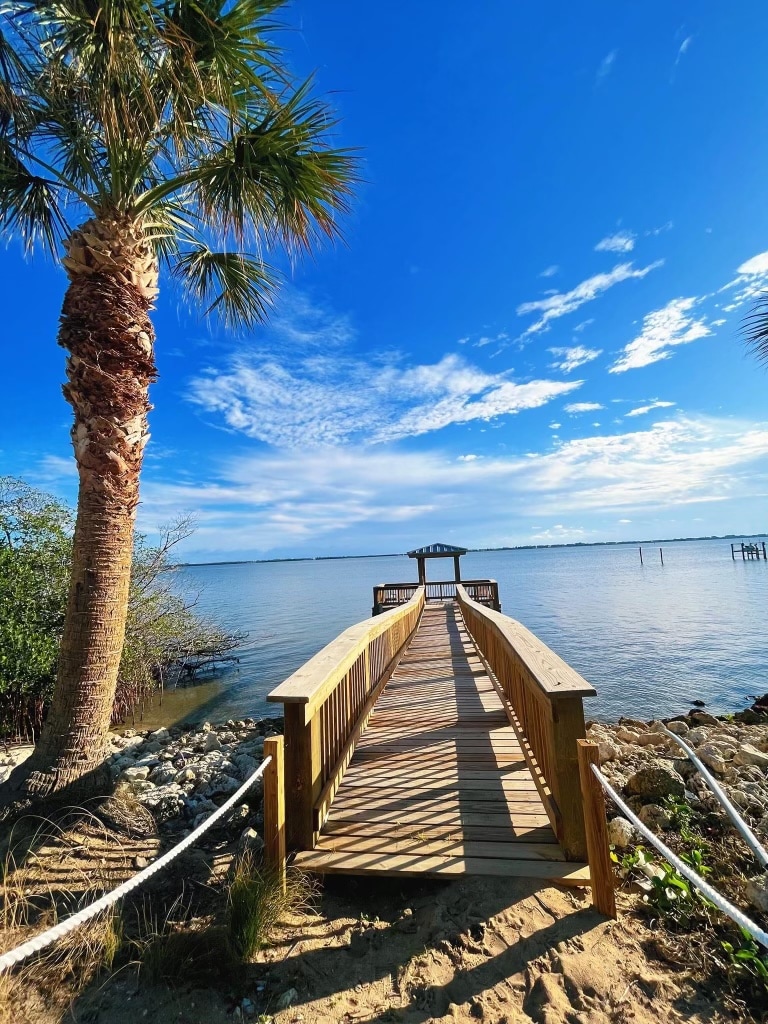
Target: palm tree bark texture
106,330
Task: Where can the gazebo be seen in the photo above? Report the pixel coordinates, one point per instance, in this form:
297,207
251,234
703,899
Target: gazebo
437,551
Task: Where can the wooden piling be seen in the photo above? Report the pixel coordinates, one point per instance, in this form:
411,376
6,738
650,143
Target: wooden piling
641,556
274,808
596,827
661,556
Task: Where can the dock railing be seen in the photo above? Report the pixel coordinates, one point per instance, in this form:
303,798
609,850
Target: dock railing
390,595
546,699
327,704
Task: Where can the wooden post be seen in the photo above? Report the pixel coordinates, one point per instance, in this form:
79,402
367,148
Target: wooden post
422,571
274,807
661,556
733,556
456,569
641,556
567,728
598,851
302,776
765,559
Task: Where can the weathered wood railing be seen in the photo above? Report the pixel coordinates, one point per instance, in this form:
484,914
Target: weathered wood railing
546,697
327,704
390,595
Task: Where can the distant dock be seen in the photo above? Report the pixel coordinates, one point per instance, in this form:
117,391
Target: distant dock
751,551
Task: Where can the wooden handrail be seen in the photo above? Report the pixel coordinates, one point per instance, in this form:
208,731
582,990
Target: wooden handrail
327,703
545,696
389,595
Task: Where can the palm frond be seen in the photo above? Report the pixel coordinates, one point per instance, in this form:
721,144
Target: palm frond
755,327
237,285
29,204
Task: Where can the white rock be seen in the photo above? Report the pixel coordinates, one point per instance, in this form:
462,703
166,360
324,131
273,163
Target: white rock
747,754
621,833
211,742
654,817
137,773
678,727
651,739
757,892
697,736
160,736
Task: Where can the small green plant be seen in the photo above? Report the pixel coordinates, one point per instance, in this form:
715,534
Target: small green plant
256,902
747,958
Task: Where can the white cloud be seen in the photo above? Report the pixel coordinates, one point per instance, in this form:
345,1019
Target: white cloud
322,400
606,65
656,404
574,357
583,325
468,458
751,281
557,305
550,271
621,241
683,49
662,331
299,498
555,426
625,521
577,407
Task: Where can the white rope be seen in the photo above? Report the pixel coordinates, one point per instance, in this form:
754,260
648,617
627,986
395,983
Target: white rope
712,894
47,938
747,834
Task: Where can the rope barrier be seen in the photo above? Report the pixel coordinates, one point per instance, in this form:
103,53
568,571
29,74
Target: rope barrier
712,895
47,938
746,832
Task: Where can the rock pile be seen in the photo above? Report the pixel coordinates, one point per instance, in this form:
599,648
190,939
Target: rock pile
185,774
652,771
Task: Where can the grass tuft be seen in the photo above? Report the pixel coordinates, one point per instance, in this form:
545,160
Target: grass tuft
256,903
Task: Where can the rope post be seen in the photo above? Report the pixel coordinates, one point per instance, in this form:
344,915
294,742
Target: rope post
596,827
274,808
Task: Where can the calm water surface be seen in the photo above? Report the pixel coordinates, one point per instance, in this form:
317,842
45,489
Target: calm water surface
649,638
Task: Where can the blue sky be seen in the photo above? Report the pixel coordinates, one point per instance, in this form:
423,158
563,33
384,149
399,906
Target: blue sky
531,334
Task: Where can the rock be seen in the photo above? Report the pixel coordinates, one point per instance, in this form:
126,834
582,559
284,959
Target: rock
684,767
160,736
245,765
697,736
211,742
163,803
185,775
757,892
654,739
152,747
238,817
141,862
713,758
221,785
678,727
287,999
621,833
607,751
250,842
626,735
227,737
162,776
137,773
747,754
654,784
654,817
703,718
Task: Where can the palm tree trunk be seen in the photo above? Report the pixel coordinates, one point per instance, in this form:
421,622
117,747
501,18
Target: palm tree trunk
105,328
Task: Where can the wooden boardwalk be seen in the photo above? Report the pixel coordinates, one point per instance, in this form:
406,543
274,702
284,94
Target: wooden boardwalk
438,783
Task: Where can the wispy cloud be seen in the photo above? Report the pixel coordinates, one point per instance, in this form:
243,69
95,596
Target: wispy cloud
331,400
751,281
606,65
299,498
550,271
578,407
572,358
662,330
583,325
641,410
621,241
683,49
554,306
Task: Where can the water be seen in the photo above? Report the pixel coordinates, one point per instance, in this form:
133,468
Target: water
650,638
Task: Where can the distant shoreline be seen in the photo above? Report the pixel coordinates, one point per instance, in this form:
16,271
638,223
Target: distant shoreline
513,547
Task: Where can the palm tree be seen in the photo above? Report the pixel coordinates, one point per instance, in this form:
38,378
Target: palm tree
755,328
171,134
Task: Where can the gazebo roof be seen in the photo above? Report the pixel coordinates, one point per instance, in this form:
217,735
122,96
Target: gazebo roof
437,551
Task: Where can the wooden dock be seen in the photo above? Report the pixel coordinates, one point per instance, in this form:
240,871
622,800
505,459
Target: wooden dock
442,738
439,783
